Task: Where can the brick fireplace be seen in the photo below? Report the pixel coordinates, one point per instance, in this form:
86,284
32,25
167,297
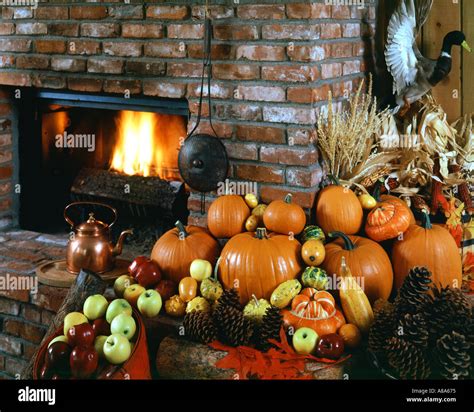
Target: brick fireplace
274,63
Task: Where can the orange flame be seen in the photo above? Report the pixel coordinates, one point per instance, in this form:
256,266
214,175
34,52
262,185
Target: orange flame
148,143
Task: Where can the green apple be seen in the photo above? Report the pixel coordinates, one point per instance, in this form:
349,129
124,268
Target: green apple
305,341
149,303
117,349
95,307
116,307
132,293
122,283
99,345
60,338
73,319
123,324
200,269
132,346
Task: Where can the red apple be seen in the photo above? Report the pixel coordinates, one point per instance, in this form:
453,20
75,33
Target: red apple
81,335
148,274
132,269
330,346
101,327
166,288
45,373
57,357
83,362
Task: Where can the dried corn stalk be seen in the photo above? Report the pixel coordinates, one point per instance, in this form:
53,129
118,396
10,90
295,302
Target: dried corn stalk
345,137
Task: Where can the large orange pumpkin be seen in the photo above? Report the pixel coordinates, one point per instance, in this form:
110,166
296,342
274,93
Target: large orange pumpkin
387,220
338,209
431,246
256,263
283,216
227,215
364,257
177,248
320,326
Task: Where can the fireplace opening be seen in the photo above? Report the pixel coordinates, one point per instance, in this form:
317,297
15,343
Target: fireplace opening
109,149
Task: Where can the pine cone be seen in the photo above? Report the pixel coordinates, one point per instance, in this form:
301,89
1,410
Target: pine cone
199,327
409,360
231,298
452,352
449,310
412,296
414,329
233,328
269,329
383,326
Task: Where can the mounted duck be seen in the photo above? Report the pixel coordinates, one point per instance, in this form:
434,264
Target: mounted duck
413,74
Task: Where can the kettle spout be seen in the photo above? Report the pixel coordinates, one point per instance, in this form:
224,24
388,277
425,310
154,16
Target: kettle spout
117,250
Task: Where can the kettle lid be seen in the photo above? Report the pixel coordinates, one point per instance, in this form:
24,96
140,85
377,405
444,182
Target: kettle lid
92,226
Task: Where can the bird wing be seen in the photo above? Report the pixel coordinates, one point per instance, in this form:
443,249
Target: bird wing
401,53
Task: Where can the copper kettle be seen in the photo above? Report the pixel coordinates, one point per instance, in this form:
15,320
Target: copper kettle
89,246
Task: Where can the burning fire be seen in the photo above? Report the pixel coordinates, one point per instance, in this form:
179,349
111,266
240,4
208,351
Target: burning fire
148,143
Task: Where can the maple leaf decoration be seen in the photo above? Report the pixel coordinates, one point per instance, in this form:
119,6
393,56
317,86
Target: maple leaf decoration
281,362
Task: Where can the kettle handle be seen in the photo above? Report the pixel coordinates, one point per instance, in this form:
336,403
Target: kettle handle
66,217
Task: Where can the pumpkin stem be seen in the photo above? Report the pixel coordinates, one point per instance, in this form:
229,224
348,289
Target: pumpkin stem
426,221
288,198
261,233
181,229
333,179
348,244
377,188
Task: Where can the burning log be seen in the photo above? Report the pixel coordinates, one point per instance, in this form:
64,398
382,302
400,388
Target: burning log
150,191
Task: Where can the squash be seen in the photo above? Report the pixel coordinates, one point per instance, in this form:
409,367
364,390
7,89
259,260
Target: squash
256,263
284,293
285,217
312,232
251,200
338,209
315,278
251,223
387,221
177,248
390,198
315,304
313,252
354,301
227,215
320,326
364,257
367,202
258,211
431,246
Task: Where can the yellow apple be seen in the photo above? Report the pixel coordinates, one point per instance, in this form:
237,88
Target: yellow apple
60,338
200,269
122,283
132,293
73,319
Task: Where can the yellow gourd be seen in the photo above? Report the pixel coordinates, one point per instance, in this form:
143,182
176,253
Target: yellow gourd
354,301
284,293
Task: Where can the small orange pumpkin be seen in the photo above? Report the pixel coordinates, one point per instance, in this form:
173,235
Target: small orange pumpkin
339,209
390,198
285,217
312,303
177,248
227,215
387,221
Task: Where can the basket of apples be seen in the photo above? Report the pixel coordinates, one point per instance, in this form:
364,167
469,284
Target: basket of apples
105,341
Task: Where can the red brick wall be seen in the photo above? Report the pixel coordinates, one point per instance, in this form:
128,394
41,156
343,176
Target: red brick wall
273,67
